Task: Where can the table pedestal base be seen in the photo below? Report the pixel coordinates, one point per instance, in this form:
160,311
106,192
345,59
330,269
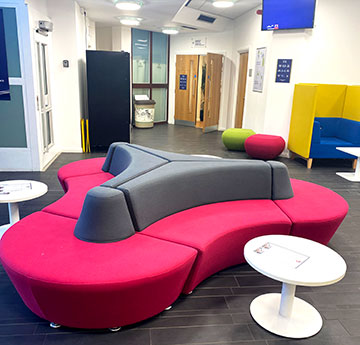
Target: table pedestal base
303,322
3,228
349,176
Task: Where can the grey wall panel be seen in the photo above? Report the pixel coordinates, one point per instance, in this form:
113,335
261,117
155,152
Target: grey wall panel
12,119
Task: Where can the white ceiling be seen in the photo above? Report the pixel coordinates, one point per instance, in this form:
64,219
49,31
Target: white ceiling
239,8
159,13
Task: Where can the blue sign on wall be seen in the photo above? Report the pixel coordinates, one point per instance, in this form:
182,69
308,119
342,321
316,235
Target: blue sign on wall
283,71
4,75
183,81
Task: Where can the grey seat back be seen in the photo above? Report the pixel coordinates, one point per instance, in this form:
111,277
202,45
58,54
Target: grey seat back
177,186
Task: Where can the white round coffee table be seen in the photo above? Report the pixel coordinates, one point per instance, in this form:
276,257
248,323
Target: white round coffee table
15,191
292,261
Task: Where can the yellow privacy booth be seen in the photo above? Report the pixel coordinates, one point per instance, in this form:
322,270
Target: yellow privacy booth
324,117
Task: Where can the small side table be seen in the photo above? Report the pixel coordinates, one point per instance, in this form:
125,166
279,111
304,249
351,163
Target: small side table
355,176
16,191
292,261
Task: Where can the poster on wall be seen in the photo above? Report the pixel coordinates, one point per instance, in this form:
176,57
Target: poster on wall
259,69
283,70
183,81
4,75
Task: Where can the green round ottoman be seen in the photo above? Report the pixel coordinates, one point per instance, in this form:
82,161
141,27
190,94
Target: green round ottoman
234,138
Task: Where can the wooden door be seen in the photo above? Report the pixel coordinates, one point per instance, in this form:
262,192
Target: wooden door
212,91
241,90
186,89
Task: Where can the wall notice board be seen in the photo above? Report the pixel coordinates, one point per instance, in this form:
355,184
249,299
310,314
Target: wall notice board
259,69
283,70
4,74
183,82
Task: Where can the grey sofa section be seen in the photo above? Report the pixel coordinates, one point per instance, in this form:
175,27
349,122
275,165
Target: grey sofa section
171,156
178,186
281,185
105,217
126,162
151,184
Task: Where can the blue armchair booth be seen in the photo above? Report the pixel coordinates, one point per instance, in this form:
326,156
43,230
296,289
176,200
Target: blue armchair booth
324,117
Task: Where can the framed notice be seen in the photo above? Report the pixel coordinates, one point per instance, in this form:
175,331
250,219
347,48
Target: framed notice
259,69
183,82
4,74
283,70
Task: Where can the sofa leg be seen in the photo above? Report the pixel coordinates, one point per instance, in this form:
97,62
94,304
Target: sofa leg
292,155
114,329
309,163
354,164
54,325
168,308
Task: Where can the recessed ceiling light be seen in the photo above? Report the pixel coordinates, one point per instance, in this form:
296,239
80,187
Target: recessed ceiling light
130,21
128,5
223,3
170,31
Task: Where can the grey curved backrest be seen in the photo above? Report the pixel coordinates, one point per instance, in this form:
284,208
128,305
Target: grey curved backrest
152,184
127,162
178,186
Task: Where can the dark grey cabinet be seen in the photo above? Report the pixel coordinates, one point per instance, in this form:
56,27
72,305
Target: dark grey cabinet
108,97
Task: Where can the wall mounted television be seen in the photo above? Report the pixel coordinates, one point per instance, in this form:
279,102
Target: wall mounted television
287,14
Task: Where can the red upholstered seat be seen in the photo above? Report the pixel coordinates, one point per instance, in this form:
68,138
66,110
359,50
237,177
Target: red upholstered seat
263,146
89,285
80,168
70,205
316,212
219,232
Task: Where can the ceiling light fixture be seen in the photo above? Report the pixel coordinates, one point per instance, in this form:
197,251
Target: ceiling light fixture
128,5
170,31
130,21
223,3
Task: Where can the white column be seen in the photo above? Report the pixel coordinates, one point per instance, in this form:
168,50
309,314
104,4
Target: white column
14,215
287,299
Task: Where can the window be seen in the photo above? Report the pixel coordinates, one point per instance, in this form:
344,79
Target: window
150,61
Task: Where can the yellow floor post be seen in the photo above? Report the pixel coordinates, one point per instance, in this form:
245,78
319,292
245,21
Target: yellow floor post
87,137
82,122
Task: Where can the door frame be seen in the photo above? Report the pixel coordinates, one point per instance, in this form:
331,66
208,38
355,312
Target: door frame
172,77
246,49
26,158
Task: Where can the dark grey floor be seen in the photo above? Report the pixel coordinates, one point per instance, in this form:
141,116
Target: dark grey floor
218,310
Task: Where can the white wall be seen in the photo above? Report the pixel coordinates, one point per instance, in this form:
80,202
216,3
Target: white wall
103,38
220,43
115,38
66,92
326,54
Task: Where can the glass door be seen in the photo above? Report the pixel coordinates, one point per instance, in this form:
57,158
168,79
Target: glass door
150,61
44,101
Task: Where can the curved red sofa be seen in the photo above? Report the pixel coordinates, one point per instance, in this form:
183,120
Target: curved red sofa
89,284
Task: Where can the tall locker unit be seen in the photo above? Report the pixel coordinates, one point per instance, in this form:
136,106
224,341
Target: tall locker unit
108,89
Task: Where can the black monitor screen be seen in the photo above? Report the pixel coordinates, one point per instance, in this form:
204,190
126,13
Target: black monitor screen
288,14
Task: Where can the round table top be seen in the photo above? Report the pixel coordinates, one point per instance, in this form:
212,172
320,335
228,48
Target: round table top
21,190
295,260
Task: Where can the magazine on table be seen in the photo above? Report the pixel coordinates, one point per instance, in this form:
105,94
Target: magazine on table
7,188
275,254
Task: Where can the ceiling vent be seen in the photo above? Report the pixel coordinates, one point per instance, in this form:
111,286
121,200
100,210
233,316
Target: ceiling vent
189,27
206,19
